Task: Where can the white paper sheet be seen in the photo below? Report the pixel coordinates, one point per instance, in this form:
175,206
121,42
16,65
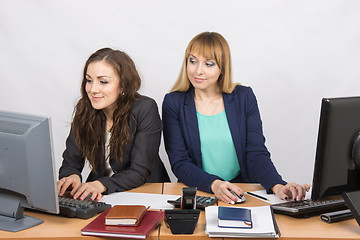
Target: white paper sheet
272,198
155,201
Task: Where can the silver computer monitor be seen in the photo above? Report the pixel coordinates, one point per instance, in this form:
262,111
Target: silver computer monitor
27,170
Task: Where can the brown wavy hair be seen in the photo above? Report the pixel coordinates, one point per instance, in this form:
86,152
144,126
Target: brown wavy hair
88,125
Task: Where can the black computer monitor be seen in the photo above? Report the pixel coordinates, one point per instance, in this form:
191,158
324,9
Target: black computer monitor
338,148
27,170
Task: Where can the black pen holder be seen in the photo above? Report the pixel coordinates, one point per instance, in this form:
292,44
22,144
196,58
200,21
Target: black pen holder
182,221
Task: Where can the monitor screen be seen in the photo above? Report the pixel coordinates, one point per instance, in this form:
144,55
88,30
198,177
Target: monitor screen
27,170
338,138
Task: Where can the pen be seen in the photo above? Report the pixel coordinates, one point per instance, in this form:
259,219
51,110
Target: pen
258,196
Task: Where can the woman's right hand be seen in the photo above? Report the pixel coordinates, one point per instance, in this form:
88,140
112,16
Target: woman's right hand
222,189
63,184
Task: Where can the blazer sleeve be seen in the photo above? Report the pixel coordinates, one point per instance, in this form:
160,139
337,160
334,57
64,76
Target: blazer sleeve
73,162
143,152
182,163
260,167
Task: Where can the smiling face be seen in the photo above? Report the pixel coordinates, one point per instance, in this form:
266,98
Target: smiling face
102,86
203,73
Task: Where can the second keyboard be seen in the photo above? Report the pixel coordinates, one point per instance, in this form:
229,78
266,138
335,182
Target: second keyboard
308,208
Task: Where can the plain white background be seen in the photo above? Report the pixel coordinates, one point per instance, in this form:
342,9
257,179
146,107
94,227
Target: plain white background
291,52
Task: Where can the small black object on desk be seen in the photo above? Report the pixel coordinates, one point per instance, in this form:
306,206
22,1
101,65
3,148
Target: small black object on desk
184,220
336,216
352,200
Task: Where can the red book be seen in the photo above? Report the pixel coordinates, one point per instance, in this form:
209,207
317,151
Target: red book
149,222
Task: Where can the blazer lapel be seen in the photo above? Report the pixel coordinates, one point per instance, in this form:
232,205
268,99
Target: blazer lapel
231,115
192,126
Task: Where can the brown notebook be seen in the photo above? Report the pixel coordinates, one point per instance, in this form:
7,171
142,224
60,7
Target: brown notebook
125,215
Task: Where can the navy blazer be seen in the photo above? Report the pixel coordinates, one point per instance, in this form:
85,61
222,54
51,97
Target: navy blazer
182,139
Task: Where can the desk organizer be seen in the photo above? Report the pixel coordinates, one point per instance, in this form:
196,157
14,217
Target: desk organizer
182,221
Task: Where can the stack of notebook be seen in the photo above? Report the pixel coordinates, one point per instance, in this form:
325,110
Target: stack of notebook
124,221
251,222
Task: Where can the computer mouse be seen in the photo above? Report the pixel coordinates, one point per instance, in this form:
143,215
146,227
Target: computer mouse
240,199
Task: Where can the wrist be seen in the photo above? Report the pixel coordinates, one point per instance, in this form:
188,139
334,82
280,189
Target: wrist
214,185
101,186
276,188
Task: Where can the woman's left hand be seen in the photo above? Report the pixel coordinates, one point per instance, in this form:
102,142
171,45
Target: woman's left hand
95,188
291,191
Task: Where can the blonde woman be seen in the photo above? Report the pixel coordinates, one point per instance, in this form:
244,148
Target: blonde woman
212,127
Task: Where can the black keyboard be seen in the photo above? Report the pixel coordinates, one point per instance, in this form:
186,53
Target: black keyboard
309,208
84,209
201,202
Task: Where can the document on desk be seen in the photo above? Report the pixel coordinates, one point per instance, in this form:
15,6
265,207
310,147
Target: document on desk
154,201
271,198
264,225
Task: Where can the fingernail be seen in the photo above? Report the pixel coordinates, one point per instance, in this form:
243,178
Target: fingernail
232,202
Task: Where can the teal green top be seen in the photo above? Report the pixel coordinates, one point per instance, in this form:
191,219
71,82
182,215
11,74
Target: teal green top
217,147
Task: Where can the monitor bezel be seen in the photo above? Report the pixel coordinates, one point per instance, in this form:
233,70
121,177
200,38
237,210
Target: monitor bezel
38,194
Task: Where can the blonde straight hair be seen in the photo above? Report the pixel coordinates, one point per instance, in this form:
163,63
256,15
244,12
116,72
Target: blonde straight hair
210,45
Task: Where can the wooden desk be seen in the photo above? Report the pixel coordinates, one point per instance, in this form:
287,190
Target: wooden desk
57,227
291,228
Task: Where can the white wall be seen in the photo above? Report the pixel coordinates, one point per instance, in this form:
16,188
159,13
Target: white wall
291,52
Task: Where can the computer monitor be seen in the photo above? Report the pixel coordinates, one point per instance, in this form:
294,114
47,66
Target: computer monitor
27,170
338,148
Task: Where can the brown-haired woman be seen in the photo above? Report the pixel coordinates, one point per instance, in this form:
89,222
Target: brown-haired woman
114,128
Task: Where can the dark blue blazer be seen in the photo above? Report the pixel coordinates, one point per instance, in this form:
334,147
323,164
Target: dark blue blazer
182,139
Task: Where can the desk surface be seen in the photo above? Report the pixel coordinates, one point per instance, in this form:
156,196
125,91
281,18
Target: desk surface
290,228
56,227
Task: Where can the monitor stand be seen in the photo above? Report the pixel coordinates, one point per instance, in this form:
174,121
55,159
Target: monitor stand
12,218
12,225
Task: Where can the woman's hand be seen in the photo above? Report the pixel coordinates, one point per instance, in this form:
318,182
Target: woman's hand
63,184
291,191
222,189
95,188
